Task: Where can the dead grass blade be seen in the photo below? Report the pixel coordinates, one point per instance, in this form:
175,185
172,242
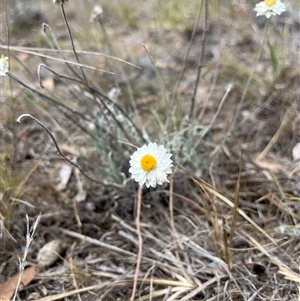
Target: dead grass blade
64,61
97,242
22,184
234,218
176,290
175,270
33,51
208,188
198,289
176,285
286,120
283,269
175,233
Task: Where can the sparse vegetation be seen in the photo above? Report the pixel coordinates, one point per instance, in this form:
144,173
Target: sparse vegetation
212,83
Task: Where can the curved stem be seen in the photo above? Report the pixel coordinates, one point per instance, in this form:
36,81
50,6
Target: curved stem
19,120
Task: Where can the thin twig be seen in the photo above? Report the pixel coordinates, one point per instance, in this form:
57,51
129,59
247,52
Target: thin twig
201,61
140,240
97,242
287,118
205,102
89,53
82,116
71,40
94,93
186,56
64,60
202,287
175,233
56,44
19,120
59,75
43,96
234,216
60,105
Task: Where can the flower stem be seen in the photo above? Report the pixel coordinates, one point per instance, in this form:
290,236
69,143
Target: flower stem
140,241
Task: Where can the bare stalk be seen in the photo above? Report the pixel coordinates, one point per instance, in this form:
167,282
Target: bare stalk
71,40
177,241
234,217
140,240
201,61
56,44
186,56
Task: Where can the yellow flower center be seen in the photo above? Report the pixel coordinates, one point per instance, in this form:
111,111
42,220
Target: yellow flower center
270,2
148,162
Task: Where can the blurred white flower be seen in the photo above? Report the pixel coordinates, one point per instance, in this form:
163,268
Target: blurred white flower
269,8
4,64
96,13
114,93
150,165
296,152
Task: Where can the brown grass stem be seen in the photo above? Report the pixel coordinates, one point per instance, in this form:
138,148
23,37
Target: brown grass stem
186,56
57,46
234,216
175,233
209,189
283,268
71,40
140,242
289,115
201,60
34,51
176,285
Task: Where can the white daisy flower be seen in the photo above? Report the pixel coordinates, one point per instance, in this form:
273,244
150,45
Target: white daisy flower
150,165
269,8
3,65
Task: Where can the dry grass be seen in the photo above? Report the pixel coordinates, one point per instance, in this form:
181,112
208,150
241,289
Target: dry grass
227,226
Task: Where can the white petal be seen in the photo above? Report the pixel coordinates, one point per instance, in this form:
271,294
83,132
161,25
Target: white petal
296,152
140,176
161,177
142,182
268,14
276,9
